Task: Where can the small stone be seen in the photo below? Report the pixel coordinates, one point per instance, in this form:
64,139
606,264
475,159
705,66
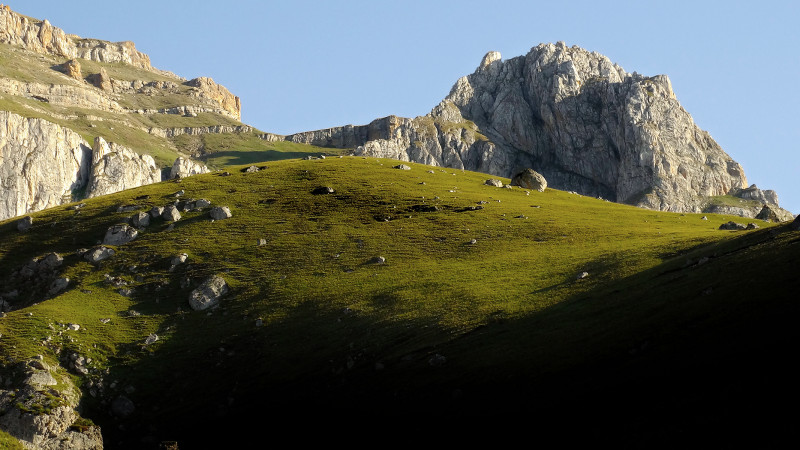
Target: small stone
377,260
323,190
220,213
179,193
473,241
98,254
119,235
73,327
180,259
493,182
151,339
581,275
704,218
251,169
106,320
262,242
402,167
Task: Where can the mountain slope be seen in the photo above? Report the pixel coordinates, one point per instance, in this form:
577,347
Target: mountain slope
317,334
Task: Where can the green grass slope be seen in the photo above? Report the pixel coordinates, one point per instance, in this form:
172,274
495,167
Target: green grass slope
678,330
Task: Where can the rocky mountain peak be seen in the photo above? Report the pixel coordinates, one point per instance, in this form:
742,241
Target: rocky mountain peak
580,120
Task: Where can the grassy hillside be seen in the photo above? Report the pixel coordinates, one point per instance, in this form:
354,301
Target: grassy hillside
477,323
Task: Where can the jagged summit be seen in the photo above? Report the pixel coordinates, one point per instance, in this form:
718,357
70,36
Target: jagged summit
579,119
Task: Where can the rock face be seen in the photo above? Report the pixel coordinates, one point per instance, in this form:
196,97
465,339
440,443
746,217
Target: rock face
115,168
206,87
530,179
578,119
72,68
42,37
184,167
42,165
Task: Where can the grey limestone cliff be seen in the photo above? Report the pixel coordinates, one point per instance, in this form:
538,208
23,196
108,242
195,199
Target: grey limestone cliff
578,119
43,165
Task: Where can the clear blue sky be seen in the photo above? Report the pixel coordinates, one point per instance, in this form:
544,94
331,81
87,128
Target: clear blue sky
303,65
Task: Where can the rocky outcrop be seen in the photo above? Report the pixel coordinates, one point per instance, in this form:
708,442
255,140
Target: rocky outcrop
81,96
116,168
206,88
578,119
184,167
100,80
72,69
42,37
41,165
530,179
41,410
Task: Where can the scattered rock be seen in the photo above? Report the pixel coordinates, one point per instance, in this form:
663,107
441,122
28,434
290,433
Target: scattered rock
180,259
202,203
402,167
581,275
72,69
119,234
225,174
493,182
377,260
732,226
24,224
98,254
171,214
105,320
323,190
262,242
151,339
530,179
752,226
179,193
772,213
425,208
73,327
220,212
208,294
140,220
58,285
156,211
704,218
250,169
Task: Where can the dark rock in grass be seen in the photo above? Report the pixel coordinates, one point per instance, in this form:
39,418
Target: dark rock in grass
323,190
127,208
704,218
156,212
493,182
140,220
58,285
752,226
24,224
122,407
220,212
200,204
581,275
180,259
530,179
120,234
437,360
208,294
225,174
179,193
76,207
251,169
377,260
425,208
401,167
732,226
98,254
50,261
171,214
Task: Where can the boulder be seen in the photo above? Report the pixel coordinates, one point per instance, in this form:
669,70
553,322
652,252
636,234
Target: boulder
180,259
220,212
100,80
530,179
323,190
377,260
156,211
58,285
202,203
772,213
208,294
140,220
402,167
171,213
732,226
493,182
50,261
25,224
120,234
184,167
98,254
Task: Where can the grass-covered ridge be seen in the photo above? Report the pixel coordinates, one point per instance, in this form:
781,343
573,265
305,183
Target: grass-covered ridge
446,328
